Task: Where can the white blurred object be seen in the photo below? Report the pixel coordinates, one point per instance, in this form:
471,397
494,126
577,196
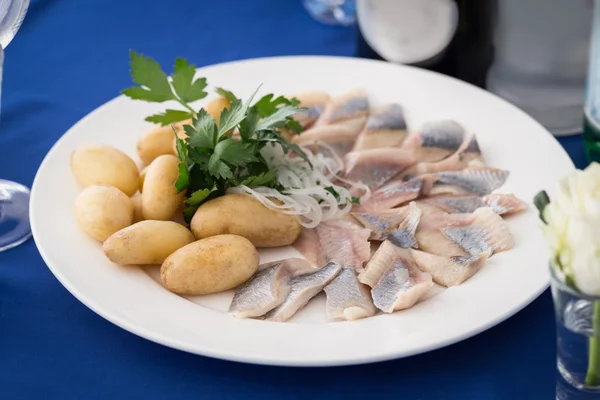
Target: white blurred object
332,12
541,59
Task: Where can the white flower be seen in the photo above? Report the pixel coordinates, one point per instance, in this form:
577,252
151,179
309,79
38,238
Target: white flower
573,228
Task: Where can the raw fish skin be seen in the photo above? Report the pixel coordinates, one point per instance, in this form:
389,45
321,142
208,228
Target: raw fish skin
449,271
480,181
339,137
314,104
347,298
488,231
401,286
499,203
375,167
436,140
382,260
386,127
267,289
392,194
404,235
303,288
350,105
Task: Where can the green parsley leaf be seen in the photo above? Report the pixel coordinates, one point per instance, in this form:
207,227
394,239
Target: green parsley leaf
146,72
186,88
218,168
204,131
267,106
227,94
331,190
199,196
169,117
183,180
234,153
264,179
355,200
294,126
248,125
277,119
232,116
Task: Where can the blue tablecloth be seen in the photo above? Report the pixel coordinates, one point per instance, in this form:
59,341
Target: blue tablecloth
70,57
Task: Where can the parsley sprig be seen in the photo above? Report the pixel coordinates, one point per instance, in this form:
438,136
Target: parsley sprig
212,158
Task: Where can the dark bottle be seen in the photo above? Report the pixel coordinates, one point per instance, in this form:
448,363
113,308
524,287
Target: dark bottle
453,37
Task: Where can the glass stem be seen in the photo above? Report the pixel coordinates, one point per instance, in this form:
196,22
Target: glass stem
592,377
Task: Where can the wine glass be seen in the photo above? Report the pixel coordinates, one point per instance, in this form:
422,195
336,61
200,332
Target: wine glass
14,197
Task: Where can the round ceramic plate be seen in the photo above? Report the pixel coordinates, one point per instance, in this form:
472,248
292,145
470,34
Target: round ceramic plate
134,299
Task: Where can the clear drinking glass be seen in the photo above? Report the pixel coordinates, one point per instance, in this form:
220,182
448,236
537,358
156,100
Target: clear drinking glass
578,335
14,197
332,12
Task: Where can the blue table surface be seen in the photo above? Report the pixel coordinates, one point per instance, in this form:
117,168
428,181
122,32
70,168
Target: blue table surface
71,56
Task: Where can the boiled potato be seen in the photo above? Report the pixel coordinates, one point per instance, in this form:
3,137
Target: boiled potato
245,216
146,242
159,141
102,210
210,265
142,179
136,201
160,199
97,164
215,106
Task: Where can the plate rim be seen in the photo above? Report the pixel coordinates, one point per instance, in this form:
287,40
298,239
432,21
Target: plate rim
162,339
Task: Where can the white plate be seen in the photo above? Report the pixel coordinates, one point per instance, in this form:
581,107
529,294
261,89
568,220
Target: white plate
134,300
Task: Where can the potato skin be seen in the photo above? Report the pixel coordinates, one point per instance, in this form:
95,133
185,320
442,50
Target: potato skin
210,265
160,199
96,164
215,106
102,210
158,141
136,202
245,216
146,242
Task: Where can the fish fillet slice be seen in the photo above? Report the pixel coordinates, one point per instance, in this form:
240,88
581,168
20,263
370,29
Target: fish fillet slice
267,289
504,203
430,233
351,105
436,140
480,181
347,298
381,261
500,203
467,156
374,167
404,235
381,223
339,137
386,127
449,271
401,286
342,241
315,103
303,288
392,194
488,231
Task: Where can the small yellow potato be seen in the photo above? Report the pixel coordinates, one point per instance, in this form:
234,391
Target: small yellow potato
245,216
136,201
215,106
96,164
102,210
160,199
159,140
142,179
210,265
146,242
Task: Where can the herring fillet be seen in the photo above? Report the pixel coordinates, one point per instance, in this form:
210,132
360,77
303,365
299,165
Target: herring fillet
449,271
375,167
347,298
303,288
347,106
267,288
499,203
386,127
392,194
401,286
436,140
